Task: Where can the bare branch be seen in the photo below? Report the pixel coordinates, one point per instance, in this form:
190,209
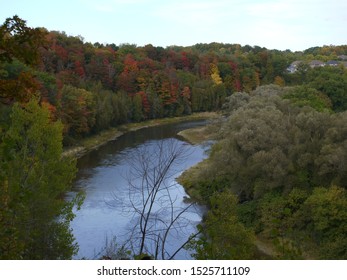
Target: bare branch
155,209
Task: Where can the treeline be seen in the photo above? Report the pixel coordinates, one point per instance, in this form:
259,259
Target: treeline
91,87
281,154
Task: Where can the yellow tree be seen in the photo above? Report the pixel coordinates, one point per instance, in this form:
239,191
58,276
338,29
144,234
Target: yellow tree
279,81
215,76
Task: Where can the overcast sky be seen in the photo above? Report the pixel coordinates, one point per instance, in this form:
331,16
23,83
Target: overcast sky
274,24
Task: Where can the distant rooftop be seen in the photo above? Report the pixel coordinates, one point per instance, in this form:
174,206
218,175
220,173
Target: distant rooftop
342,57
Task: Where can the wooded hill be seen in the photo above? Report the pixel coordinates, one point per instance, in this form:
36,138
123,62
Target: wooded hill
91,87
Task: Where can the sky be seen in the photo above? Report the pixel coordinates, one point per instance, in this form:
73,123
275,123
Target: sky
274,24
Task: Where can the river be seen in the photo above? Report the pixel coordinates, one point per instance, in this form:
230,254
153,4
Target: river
102,176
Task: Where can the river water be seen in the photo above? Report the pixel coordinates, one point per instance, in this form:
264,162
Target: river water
103,177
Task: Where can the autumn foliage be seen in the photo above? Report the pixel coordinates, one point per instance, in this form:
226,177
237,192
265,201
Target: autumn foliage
91,87
281,149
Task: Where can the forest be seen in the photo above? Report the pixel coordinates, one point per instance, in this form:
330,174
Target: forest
277,170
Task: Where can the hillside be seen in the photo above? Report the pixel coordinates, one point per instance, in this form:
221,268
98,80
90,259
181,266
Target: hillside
91,87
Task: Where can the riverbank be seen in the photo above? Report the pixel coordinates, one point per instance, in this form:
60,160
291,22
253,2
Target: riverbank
104,174
195,136
265,248
94,142
198,135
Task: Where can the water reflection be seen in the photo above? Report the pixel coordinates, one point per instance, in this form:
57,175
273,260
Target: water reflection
102,174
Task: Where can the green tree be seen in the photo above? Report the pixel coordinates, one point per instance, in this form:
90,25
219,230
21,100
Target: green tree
280,219
156,106
137,108
225,238
202,96
103,108
121,105
34,217
306,96
331,161
331,81
326,221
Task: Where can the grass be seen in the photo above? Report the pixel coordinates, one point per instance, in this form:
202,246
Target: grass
190,178
196,135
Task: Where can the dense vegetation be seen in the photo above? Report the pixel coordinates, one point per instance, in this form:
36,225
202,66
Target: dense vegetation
281,151
33,178
90,87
